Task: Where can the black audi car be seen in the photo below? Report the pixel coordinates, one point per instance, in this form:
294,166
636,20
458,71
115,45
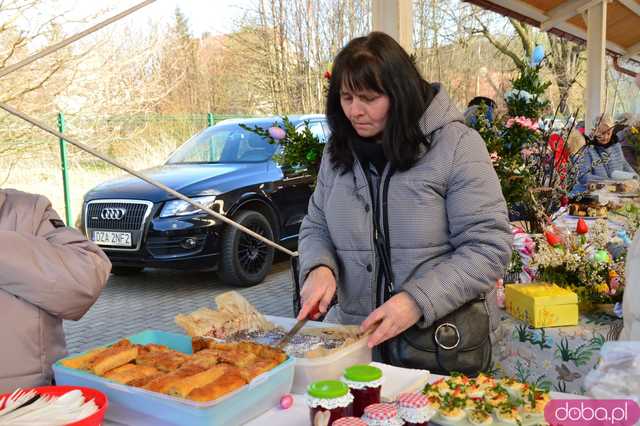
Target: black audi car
224,167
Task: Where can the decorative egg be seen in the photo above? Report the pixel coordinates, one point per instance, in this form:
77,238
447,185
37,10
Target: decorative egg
286,401
602,256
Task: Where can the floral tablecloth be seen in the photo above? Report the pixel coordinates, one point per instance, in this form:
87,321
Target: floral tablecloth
556,358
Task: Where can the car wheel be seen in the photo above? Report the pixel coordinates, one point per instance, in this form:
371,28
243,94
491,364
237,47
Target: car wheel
246,260
126,270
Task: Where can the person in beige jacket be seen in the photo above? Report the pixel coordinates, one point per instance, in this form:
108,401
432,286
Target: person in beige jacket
48,273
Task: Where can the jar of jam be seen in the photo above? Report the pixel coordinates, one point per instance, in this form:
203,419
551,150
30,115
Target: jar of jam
382,415
365,382
349,421
414,409
329,396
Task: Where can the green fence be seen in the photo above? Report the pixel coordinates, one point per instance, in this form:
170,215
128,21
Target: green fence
122,129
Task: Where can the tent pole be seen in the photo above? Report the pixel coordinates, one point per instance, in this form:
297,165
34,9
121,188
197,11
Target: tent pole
596,63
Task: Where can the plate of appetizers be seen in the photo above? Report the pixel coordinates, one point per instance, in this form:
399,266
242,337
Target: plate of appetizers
484,400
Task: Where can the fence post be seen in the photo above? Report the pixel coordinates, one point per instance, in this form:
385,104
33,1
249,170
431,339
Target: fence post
65,172
211,146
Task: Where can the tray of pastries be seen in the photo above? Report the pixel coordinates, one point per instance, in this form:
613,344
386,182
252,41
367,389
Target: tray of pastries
213,370
157,375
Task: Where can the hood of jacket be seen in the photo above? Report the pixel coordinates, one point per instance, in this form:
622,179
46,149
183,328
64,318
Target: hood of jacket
441,111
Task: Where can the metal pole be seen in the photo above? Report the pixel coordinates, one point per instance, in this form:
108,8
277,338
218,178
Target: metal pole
49,50
149,180
211,144
65,171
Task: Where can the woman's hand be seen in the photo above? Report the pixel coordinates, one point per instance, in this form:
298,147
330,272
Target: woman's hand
318,289
392,318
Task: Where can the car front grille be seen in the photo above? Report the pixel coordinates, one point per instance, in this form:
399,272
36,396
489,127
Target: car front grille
128,216
131,220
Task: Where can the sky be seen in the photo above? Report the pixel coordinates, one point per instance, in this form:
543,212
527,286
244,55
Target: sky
213,16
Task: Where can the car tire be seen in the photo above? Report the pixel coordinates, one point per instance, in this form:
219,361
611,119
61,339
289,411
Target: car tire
246,261
126,270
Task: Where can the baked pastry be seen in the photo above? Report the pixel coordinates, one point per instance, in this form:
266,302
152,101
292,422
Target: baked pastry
141,382
113,357
227,383
258,368
83,362
166,361
164,383
184,386
130,372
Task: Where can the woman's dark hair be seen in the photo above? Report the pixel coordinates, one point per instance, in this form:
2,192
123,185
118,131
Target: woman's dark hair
378,63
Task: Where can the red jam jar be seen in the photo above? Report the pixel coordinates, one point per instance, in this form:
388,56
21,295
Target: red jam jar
414,409
365,382
382,415
349,421
329,396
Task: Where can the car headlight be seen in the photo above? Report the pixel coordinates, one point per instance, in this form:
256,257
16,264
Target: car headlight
182,208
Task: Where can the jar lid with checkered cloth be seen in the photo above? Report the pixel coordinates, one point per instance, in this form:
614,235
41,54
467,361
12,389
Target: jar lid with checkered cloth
382,415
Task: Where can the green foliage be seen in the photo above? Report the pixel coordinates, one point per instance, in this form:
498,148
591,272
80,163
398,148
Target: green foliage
531,181
530,82
301,149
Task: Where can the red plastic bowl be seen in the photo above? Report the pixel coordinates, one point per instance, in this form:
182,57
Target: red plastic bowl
98,397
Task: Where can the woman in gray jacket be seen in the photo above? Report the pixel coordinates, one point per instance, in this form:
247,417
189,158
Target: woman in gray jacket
399,154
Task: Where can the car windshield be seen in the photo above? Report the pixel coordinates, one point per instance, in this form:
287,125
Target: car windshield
224,144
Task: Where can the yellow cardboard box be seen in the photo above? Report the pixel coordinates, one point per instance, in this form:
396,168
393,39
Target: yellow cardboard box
542,304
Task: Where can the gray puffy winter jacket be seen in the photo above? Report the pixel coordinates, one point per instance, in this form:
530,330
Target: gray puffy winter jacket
449,233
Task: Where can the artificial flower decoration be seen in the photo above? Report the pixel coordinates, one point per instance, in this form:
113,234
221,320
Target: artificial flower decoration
523,122
582,263
581,227
518,94
327,72
552,239
277,133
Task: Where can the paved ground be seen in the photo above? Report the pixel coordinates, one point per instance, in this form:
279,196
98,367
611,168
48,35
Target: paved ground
152,299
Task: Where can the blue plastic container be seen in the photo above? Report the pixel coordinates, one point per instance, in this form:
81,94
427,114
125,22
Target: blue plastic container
135,406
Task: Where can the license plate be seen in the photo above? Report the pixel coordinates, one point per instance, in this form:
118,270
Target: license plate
109,238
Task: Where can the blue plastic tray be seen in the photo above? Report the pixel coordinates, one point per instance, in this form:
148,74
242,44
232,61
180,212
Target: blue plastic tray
135,406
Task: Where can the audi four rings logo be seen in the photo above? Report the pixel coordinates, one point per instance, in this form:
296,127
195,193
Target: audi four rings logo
113,213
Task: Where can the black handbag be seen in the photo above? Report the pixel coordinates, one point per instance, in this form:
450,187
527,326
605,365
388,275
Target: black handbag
459,341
